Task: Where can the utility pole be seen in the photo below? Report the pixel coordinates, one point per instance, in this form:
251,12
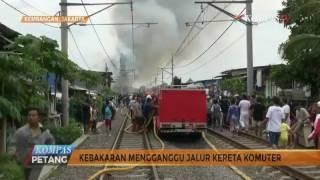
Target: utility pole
162,76
64,45
172,69
132,38
155,81
249,50
64,82
248,24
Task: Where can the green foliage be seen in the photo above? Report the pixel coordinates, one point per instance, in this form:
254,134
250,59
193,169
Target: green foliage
8,109
233,85
44,51
281,75
67,134
91,78
9,168
76,102
301,51
176,80
107,92
21,76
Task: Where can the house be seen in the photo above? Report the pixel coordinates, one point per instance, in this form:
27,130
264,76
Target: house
7,37
265,86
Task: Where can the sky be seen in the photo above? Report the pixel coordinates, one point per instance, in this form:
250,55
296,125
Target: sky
154,45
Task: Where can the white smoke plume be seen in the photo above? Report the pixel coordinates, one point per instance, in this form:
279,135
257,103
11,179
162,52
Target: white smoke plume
155,45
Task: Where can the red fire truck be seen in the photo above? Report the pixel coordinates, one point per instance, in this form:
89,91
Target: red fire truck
181,110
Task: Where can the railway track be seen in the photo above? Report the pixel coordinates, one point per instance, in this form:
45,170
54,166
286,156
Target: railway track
126,140
211,140
224,140
176,141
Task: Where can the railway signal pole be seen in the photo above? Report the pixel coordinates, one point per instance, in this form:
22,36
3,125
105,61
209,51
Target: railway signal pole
248,24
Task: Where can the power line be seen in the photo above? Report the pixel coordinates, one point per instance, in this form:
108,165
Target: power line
187,35
23,13
77,46
197,34
25,2
206,50
98,37
216,56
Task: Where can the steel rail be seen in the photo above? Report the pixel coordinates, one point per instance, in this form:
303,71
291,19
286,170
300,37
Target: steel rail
286,169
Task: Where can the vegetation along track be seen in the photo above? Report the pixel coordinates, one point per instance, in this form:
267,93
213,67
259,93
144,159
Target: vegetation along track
224,140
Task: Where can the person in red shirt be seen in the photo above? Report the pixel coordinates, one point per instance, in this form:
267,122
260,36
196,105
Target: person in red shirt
315,134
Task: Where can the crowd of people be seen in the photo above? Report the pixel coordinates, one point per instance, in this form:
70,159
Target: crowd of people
91,115
279,121
142,110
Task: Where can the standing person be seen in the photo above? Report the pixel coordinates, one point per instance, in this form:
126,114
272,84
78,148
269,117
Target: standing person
274,118
132,102
315,134
119,100
107,117
284,134
216,115
313,110
253,101
154,112
224,107
258,111
26,137
233,117
94,118
136,114
302,116
286,110
147,109
113,108
287,113
209,116
86,115
244,112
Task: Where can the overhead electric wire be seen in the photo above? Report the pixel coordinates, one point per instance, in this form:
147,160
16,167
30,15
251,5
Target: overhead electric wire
217,55
25,2
206,50
98,37
187,35
77,46
23,13
197,34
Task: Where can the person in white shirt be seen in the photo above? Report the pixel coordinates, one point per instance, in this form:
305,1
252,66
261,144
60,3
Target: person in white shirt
274,117
244,112
286,111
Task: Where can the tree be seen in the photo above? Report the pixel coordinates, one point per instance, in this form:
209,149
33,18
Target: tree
176,81
22,72
301,52
190,81
233,85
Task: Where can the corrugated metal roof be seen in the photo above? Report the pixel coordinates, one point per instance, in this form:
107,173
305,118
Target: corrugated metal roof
7,35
